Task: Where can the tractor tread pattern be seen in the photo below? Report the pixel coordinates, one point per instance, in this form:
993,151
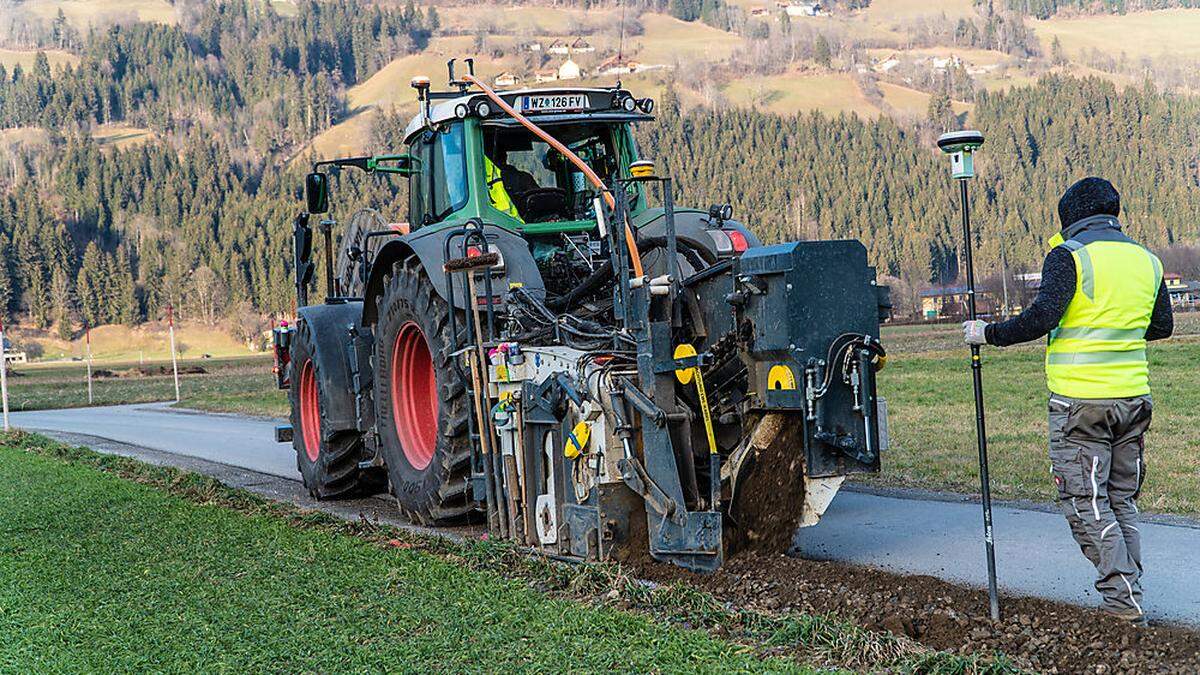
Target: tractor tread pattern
336,472
441,495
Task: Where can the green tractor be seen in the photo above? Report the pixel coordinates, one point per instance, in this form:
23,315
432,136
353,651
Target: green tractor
551,346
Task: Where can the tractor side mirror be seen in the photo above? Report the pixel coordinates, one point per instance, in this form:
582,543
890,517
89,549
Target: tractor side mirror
316,192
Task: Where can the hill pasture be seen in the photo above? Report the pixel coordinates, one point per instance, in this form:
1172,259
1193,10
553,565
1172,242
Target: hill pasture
1168,32
25,58
88,13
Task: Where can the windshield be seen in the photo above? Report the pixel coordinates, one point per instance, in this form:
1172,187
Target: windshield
535,183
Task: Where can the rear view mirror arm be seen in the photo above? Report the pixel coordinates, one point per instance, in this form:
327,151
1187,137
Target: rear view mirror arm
374,164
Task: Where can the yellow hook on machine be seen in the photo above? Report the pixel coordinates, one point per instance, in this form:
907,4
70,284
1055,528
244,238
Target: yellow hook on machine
685,375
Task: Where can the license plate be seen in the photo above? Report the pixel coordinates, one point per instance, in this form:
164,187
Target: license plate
553,102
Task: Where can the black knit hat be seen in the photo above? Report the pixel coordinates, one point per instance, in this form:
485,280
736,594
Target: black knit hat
1091,196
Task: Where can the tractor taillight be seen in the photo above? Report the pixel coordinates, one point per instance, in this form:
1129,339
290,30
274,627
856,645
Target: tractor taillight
738,240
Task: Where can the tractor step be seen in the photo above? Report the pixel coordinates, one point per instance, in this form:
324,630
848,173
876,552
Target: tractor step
283,433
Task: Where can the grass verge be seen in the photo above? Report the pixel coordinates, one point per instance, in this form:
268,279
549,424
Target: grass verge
168,569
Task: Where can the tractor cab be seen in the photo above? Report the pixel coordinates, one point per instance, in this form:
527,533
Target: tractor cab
474,160
477,161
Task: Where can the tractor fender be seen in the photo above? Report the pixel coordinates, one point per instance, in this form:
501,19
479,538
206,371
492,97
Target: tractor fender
429,246
692,227
329,326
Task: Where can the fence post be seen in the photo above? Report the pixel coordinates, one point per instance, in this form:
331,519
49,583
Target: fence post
3,375
174,360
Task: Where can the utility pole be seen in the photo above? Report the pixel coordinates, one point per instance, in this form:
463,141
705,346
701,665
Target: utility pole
87,333
174,359
1004,281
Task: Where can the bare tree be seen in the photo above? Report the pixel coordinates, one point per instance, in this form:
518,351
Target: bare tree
207,293
247,325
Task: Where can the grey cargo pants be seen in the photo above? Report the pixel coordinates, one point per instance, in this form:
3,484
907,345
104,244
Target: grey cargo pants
1097,460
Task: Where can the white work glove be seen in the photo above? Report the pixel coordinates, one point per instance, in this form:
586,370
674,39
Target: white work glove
974,332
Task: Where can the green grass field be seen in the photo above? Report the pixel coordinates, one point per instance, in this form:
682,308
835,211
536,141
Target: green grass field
242,385
172,585
931,409
192,576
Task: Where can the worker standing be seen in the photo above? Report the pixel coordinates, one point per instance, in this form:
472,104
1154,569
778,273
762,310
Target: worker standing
1102,297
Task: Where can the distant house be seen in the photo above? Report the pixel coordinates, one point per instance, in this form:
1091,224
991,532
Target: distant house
559,47
803,9
506,79
533,46
569,70
581,46
951,303
759,11
618,66
944,62
1185,295
540,76
11,356
886,65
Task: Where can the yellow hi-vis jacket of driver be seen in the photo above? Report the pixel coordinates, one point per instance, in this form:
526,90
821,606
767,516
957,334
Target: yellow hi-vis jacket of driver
496,191
1099,347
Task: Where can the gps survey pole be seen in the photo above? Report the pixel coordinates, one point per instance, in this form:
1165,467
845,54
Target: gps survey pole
961,145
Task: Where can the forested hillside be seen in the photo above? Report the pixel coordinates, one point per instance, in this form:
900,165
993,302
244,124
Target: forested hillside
812,176
238,68
199,215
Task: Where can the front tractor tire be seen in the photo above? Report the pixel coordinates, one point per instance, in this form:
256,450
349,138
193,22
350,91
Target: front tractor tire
421,404
327,459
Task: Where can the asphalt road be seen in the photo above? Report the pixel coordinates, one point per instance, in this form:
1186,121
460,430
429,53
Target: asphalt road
937,537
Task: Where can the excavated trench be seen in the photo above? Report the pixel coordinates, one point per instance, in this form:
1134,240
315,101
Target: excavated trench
1038,635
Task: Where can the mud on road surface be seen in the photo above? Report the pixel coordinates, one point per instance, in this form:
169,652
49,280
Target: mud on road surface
1038,635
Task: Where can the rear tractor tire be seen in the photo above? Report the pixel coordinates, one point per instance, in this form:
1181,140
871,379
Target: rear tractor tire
421,404
328,461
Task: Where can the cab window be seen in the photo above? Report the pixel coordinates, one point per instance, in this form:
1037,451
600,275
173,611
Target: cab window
541,184
440,188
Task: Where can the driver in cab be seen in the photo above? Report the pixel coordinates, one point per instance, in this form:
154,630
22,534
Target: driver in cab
506,183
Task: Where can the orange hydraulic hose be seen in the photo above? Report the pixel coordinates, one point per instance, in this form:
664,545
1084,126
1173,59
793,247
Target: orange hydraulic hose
635,259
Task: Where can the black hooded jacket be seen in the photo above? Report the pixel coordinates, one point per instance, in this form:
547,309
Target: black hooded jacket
1058,288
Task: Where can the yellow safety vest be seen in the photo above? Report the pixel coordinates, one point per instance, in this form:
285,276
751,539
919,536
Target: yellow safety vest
496,191
1099,347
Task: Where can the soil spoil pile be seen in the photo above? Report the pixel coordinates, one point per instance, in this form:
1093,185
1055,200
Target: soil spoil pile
1038,635
769,493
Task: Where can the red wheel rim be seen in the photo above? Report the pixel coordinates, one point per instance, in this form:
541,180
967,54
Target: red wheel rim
310,412
414,396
